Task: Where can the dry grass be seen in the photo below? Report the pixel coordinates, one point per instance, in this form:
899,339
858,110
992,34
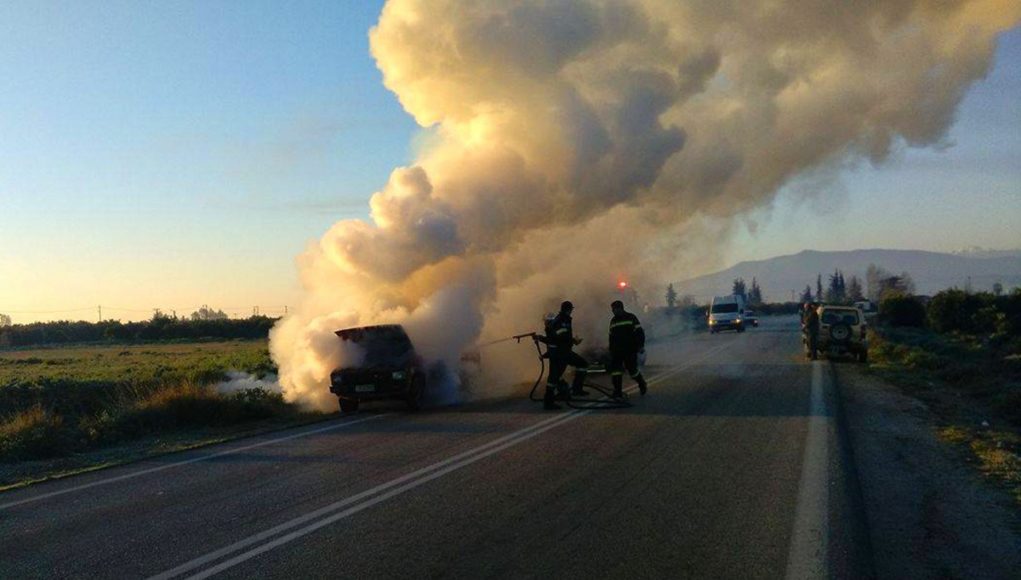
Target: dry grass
63,401
971,384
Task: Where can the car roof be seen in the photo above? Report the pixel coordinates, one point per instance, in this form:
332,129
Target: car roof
392,329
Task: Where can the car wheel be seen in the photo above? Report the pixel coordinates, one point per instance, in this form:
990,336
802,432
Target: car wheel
416,393
348,405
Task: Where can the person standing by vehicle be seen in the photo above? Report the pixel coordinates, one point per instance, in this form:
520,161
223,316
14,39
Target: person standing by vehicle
627,340
560,342
812,330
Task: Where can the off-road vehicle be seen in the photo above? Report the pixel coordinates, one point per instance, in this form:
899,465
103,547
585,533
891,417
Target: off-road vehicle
389,369
842,330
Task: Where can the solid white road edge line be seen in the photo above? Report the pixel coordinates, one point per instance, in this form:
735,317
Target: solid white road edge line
426,474
142,472
807,557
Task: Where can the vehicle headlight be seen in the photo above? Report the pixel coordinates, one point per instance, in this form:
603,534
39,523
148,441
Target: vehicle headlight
712,322
399,375
738,320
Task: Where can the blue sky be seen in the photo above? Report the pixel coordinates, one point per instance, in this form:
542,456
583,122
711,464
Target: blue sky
184,153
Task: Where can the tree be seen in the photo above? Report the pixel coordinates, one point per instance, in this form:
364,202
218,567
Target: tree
874,276
207,313
5,320
806,296
739,288
997,290
818,288
854,290
835,292
755,294
879,282
671,297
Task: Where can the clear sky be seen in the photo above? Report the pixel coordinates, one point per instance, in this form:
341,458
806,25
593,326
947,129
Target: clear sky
178,154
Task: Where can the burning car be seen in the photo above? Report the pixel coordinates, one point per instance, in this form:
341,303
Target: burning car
389,369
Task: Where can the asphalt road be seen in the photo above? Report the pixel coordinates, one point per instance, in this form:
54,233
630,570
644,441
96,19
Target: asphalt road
734,466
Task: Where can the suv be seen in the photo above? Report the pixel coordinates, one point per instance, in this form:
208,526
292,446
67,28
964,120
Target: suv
390,369
842,330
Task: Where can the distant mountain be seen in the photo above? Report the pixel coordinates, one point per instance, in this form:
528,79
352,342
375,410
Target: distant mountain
931,272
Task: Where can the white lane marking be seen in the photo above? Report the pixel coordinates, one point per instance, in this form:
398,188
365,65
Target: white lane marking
191,565
380,498
409,482
807,557
142,472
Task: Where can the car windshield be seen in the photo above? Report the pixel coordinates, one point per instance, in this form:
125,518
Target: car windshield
724,308
384,345
849,317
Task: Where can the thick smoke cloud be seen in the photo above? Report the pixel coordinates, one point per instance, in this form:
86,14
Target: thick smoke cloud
580,140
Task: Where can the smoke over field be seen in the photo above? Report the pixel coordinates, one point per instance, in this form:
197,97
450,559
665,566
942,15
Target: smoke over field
577,141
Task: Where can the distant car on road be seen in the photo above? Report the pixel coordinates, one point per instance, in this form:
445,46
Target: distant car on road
725,313
389,369
843,330
750,318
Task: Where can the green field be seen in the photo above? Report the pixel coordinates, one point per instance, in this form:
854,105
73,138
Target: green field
133,363
61,402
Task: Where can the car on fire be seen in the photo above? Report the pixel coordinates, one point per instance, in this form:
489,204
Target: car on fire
389,368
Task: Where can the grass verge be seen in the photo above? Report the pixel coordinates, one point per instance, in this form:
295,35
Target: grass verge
64,410
973,385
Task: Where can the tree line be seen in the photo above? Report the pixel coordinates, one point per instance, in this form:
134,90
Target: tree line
160,327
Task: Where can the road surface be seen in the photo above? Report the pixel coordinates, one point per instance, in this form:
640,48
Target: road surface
734,466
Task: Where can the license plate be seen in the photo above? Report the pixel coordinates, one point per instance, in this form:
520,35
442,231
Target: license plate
365,388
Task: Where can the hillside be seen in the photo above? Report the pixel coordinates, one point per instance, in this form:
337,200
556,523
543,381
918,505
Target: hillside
931,271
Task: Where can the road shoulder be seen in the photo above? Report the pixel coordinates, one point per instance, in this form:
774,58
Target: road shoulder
930,514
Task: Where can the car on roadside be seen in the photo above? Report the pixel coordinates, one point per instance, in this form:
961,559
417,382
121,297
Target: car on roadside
750,318
842,330
388,368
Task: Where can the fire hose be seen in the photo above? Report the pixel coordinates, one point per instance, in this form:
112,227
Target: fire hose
607,401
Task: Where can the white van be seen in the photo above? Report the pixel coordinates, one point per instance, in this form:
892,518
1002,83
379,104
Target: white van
726,313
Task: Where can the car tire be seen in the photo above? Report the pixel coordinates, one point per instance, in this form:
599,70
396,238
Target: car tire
416,393
840,333
348,405
740,329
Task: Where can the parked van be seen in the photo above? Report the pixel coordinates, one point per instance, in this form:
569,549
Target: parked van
726,313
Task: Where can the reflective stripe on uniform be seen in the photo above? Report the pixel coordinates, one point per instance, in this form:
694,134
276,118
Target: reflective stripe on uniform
562,330
621,323
617,374
635,376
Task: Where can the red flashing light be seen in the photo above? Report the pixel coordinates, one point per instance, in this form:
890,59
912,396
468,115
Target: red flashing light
622,284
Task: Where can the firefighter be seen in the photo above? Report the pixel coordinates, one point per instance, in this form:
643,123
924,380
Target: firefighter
560,342
811,325
627,340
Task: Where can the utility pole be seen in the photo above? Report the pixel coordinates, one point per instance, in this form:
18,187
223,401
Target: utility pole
255,311
285,310
100,308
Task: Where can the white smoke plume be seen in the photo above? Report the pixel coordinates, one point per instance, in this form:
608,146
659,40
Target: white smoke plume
240,381
576,141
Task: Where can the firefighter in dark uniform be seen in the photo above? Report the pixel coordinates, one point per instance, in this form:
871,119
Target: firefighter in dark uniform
627,339
812,330
560,342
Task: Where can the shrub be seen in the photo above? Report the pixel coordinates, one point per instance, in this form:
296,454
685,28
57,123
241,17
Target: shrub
34,433
956,311
902,310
